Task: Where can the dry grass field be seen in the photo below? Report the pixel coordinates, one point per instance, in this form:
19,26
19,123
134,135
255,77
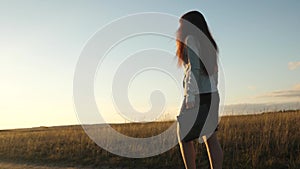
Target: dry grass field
268,140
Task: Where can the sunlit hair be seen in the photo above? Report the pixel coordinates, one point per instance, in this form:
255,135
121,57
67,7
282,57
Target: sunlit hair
197,19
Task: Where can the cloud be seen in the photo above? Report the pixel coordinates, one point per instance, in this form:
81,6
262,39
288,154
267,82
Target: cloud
238,109
297,87
287,99
285,93
251,87
290,93
293,65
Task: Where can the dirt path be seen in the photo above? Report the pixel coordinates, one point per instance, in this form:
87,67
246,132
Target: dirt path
11,165
7,165
23,165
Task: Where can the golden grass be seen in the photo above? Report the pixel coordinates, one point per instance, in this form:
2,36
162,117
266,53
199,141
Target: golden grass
269,140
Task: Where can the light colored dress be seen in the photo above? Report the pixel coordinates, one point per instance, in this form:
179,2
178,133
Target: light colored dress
195,80
202,119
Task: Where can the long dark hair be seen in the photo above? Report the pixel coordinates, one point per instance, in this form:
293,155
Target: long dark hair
197,19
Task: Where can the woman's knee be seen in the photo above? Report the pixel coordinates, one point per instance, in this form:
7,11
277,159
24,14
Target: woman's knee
213,140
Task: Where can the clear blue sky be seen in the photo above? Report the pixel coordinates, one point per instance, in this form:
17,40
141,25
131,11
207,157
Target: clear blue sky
41,42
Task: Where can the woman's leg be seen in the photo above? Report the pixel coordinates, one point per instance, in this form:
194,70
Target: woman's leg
214,151
187,152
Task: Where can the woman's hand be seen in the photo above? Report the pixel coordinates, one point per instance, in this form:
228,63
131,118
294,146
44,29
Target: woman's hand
190,105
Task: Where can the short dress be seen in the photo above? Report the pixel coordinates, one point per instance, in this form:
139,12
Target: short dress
202,89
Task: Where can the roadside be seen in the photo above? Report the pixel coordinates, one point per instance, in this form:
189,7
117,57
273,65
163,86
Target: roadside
25,165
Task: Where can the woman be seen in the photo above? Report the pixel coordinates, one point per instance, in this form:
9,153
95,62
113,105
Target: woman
199,60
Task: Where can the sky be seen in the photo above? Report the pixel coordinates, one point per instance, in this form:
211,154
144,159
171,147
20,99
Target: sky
41,42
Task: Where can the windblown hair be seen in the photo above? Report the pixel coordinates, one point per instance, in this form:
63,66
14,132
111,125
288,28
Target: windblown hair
198,20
